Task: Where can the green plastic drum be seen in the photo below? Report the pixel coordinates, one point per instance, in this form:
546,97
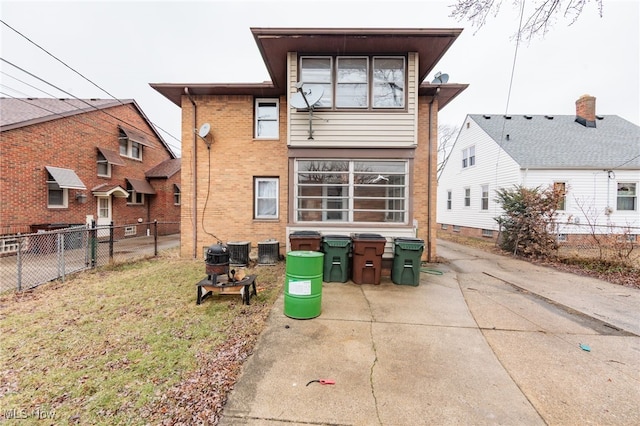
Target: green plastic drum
303,284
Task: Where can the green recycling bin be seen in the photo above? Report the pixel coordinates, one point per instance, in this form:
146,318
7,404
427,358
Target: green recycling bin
407,255
303,284
336,250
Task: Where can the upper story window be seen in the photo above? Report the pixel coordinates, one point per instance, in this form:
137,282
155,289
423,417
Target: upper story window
469,157
362,82
627,196
267,113
104,168
129,148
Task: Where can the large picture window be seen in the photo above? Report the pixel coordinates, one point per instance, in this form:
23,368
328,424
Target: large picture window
363,191
362,82
266,198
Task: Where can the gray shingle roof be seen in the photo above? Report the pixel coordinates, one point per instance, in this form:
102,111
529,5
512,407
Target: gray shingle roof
535,141
21,112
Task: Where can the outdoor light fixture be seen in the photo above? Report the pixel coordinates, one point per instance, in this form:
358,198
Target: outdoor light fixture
81,197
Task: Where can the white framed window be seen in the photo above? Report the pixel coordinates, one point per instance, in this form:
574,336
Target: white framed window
129,148
388,82
469,157
103,208
561,189
467,197
627,196
456,228
444,226
449,199
104,167
266,198
352,82
562,237
176,195
487,233
484,200
134,197
267,118
351,191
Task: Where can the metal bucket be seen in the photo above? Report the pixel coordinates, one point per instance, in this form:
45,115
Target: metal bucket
303,284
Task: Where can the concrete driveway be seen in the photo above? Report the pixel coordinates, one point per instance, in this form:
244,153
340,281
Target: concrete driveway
492,340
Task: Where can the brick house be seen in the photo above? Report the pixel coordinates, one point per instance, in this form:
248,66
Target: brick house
67,161
360,159
593,159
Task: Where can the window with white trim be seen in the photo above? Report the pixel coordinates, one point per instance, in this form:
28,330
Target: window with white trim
627,196
266,198
129,148
484,200
469,157
351,191
449,199
57,198
467,197
267,118
363,82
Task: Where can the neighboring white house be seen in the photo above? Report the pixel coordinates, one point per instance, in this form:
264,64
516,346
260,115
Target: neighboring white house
595,159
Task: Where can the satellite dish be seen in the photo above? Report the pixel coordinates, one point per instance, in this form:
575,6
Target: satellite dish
306,96
204,130
440,78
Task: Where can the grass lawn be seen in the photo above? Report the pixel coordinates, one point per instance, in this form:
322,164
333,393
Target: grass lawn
125,344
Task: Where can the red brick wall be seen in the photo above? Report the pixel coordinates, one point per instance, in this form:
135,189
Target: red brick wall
70,143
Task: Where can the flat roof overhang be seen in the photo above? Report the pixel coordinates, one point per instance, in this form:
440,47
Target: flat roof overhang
275,43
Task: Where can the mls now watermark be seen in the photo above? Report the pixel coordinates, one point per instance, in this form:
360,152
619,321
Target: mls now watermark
20,414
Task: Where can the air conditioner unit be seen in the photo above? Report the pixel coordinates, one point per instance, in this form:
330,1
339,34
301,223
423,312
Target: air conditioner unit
268,252
239,252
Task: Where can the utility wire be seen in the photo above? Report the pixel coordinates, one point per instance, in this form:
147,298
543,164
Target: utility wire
53,96
81,75
59,60
75,97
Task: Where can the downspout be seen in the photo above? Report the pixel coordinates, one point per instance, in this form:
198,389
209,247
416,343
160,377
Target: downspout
430,180
194,201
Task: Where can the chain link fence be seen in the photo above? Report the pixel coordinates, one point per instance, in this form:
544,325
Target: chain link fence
611,243
28,260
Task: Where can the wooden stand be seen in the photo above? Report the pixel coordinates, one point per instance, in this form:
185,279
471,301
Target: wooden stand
221,285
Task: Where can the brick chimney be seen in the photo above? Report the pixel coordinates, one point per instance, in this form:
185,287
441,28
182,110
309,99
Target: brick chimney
586,111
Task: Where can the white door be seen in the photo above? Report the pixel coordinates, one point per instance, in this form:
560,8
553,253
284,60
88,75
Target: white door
104,215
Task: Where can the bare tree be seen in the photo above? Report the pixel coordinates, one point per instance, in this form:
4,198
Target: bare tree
446,138
536,21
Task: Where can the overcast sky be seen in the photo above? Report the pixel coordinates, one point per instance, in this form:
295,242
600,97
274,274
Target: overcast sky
122,46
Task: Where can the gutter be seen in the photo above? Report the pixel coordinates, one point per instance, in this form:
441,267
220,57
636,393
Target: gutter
194,201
